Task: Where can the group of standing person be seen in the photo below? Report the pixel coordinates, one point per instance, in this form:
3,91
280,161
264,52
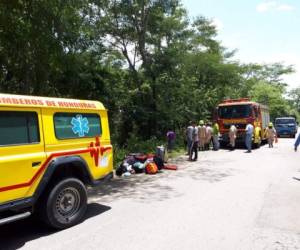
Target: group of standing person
270,134
200,137
232,134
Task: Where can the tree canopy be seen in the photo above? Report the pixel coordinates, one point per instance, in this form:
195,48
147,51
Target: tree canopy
152,65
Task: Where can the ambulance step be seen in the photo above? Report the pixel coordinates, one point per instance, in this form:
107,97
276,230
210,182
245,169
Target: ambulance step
14,218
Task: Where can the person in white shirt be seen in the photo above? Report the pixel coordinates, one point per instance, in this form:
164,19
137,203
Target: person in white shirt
232,136
248,138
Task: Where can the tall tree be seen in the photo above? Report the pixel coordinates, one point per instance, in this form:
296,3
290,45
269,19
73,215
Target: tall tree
37,38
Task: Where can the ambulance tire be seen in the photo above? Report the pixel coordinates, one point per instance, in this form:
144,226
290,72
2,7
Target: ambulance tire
64,204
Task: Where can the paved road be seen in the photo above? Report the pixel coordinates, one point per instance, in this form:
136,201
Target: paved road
226,200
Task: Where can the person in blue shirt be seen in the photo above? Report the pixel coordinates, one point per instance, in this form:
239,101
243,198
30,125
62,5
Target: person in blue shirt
248,138
297,142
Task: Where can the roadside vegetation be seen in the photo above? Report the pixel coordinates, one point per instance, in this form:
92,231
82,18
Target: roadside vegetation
152,65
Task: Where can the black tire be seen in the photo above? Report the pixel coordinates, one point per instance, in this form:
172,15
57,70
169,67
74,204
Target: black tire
223,144
64,205
257,145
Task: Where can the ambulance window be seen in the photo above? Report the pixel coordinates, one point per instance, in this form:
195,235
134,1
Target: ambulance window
18,128
76,125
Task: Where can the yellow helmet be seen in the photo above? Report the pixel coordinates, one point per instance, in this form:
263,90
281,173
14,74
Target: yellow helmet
201,122
270,124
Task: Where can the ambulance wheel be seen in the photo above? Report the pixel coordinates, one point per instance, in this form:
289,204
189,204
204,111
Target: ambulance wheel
65,204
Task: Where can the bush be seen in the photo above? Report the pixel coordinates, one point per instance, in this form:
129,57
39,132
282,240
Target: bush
134,144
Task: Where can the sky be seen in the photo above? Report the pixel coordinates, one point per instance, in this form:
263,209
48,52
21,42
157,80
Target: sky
262,31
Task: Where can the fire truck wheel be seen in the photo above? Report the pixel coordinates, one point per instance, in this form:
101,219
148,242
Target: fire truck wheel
257,145
223,144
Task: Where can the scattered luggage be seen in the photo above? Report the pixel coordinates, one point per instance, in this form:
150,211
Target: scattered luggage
137,163
151,168
159,162
170,167
161,153
139,167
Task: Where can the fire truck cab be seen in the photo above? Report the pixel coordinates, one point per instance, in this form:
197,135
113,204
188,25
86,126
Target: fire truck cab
240,112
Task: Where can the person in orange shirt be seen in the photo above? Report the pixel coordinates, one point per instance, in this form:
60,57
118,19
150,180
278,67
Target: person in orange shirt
208,135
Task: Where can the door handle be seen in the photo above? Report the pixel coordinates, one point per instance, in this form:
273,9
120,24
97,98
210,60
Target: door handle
35,164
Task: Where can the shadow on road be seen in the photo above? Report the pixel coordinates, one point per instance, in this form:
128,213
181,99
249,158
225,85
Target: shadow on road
140,188
16,235
148,188
204,170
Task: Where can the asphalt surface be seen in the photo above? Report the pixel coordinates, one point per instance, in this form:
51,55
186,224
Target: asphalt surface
226,200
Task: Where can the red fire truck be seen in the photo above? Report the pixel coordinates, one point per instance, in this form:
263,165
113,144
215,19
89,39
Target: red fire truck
239,112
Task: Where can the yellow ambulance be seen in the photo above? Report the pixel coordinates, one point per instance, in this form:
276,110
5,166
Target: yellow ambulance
51,149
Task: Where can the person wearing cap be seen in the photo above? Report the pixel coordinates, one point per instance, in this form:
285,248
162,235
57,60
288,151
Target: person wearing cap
270,134
216,132
232,136
208,135
202,135
257,135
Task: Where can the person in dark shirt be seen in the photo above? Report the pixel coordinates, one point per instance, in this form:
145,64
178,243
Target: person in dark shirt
171,136
189,137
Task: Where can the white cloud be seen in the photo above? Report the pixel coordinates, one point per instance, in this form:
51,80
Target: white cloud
273,6
285,7
265,6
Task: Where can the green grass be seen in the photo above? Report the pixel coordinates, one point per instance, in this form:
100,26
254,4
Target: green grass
176,153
